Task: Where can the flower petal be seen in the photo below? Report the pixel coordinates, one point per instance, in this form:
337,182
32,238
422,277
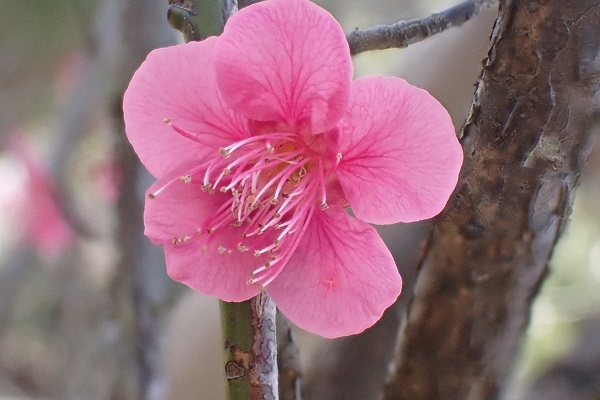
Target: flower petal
212,273
401,157
177,218
286,61
179,210
178,83
340,279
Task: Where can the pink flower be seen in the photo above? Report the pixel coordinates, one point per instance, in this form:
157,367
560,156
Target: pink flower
260,140
37,210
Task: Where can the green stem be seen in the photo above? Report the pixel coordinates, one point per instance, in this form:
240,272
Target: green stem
248,327
250,349
197,19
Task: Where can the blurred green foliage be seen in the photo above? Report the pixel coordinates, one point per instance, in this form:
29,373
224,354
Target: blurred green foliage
34,36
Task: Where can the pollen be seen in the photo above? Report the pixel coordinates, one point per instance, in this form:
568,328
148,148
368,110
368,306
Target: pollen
179,240
224,152
224,251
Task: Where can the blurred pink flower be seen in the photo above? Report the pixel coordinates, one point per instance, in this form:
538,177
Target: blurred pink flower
260,139
106,175
37,211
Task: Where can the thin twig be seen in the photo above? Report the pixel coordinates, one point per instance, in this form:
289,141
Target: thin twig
404,33
229,8
246,3
197,19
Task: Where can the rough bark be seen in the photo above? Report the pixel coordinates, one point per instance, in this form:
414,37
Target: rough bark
525,143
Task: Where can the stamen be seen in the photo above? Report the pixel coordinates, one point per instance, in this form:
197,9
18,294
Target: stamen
281,176
224,152
177,179
222,217
179,240
285,177
269,274
323,187
180,131
230,149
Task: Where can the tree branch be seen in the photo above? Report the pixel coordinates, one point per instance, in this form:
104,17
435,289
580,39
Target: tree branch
250,348
404,33
525,143
246,3
199,19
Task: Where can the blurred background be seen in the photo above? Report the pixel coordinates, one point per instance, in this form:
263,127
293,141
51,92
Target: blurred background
86,308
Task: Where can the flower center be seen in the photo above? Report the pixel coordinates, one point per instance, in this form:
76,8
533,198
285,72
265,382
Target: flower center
270,184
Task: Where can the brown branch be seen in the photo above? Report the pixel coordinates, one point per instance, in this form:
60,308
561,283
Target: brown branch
404,33
525,143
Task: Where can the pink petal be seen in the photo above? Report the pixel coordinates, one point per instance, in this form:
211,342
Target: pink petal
212,273
340,279
286,61
45,225
177,218
401,157
179,210
178,83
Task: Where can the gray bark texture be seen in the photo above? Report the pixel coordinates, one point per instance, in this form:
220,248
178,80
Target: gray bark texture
526,140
